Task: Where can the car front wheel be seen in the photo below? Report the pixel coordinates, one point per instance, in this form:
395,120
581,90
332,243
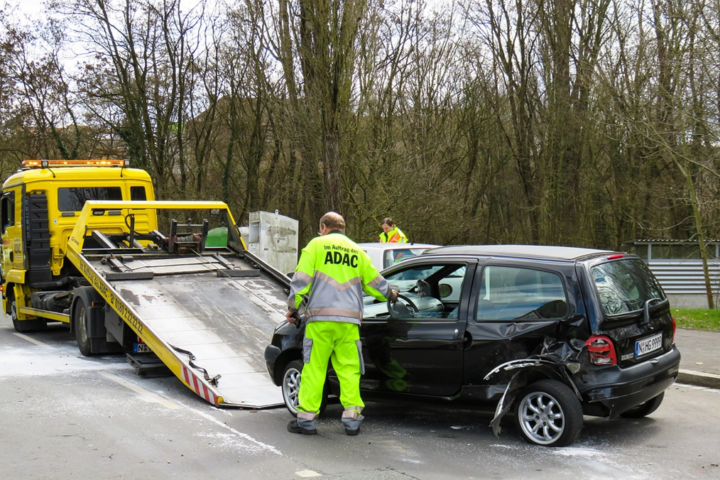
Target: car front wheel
291,387
549,414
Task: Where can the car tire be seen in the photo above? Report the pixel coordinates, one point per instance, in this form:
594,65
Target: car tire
549,414
291,387
644,409
25,326
81,326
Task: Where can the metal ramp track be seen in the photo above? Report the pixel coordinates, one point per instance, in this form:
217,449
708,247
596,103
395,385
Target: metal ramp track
206,313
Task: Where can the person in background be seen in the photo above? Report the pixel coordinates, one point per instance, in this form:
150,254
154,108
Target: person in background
335,272
391,233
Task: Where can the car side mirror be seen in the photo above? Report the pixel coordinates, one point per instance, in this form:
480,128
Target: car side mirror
445,290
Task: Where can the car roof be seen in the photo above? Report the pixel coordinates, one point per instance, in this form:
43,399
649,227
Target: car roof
545,252
395,246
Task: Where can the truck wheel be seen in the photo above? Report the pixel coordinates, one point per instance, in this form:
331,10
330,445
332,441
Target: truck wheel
291,387
644,409
549,414
24,326
81,326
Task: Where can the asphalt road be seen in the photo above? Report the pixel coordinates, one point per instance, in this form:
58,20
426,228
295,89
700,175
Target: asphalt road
67,416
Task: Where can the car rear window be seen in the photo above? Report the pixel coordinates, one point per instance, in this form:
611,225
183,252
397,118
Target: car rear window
625,286
73,199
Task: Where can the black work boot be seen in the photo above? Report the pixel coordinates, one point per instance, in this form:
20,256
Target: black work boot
351,420
293,427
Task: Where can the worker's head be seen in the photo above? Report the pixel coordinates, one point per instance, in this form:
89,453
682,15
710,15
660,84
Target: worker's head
388,224
331,221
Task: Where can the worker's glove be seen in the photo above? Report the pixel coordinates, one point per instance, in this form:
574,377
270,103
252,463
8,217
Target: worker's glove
293,317
393,295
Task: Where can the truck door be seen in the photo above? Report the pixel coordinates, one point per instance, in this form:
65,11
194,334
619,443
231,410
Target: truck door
12,247
420,349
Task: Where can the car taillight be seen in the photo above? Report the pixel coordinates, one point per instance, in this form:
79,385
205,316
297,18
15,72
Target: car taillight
674,328
601,350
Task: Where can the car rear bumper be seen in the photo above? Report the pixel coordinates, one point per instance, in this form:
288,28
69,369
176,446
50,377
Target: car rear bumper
620,389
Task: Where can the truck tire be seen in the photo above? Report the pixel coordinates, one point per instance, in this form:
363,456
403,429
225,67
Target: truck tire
81,326
291,387
25,326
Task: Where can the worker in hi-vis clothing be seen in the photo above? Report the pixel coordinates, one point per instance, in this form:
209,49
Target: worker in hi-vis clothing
391,233
335,272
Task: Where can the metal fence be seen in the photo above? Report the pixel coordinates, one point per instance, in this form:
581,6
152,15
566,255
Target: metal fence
685,276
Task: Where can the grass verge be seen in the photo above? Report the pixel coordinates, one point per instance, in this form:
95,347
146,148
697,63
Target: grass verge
697,318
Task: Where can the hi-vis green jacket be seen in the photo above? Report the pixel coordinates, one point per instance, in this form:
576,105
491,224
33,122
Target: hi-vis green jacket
393,236
335,271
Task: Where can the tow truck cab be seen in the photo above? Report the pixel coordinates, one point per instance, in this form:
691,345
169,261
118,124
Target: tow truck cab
40,206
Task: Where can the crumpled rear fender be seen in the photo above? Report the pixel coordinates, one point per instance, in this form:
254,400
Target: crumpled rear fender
528,371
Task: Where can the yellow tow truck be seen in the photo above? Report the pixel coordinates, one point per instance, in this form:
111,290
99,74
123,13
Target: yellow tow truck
82,244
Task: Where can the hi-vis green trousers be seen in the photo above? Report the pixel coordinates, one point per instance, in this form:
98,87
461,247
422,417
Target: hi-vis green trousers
339,342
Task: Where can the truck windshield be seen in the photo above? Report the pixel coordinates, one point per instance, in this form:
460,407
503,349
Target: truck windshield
625,285
73,199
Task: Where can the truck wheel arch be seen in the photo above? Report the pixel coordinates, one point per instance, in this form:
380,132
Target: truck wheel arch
9,294
89,295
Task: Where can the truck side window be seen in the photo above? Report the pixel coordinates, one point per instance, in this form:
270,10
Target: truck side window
138,193
73,199
511,293
8,211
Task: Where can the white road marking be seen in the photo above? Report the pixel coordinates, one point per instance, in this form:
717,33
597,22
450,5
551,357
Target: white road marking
154,398
307,474
146,395
244,436
32,340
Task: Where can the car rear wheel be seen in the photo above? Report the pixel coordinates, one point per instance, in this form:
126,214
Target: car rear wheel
644,409
549,414
291,387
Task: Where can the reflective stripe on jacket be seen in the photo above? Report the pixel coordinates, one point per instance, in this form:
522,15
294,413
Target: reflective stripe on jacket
393,236
335,272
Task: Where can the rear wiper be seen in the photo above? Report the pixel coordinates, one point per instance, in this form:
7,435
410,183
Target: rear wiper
647,308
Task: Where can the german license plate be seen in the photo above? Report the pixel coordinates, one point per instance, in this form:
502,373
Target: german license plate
141,348
648,344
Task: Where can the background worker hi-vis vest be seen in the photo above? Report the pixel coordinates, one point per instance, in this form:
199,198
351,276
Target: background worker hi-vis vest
335,271
393,236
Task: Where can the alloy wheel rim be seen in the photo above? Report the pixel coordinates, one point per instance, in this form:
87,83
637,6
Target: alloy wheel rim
541,418
291,388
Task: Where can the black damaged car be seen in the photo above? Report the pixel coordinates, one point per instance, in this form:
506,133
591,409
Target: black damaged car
548,333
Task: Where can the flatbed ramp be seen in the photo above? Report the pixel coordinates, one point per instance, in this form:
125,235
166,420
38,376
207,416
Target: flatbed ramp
208,316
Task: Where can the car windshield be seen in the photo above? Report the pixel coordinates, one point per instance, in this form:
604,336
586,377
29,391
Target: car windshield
391,257
625,286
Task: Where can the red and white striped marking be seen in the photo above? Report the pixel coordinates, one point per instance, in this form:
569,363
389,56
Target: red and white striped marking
198,386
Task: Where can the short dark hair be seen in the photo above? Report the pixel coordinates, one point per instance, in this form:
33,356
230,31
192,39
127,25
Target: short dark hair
388,221
333,221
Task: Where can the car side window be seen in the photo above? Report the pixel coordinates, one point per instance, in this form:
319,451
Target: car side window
512,293
427,291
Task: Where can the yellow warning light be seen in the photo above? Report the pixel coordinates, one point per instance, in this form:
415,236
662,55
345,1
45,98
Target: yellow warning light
75,163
